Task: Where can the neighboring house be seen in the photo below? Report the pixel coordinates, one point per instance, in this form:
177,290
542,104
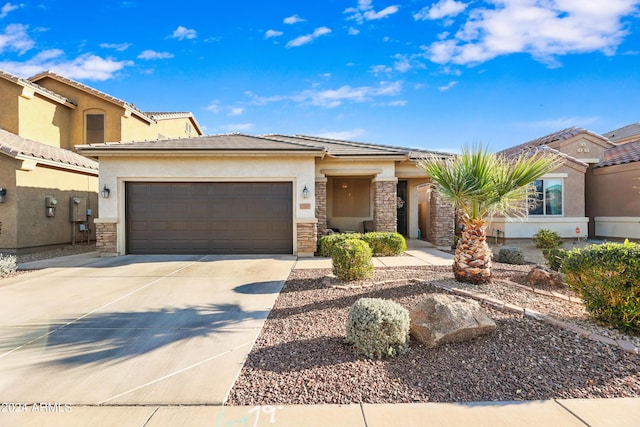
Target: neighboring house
562,194
614,192
257,194
624,134
42,119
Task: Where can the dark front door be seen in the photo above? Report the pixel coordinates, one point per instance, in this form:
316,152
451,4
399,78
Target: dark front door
402,207
209,218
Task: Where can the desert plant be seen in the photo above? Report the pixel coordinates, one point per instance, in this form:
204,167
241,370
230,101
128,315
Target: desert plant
385,244
7,264
511,255
351,259
554,257
547,239
328,242
378,327
607,277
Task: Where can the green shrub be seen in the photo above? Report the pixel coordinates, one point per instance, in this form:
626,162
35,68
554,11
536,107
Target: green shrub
554,257
328,242
547,239
7,265
351,259
385,244
607,277
511,255
378,327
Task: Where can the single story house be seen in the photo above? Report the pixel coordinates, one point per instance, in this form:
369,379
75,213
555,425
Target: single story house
246,194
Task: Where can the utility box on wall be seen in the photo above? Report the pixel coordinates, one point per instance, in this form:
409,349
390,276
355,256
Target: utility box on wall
78,209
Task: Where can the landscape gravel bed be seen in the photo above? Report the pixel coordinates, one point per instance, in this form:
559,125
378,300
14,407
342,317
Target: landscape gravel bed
300,356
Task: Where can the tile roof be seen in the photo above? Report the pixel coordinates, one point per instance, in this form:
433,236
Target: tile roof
560,135
37,88
621,154
625,132
224,142
17,147
89,89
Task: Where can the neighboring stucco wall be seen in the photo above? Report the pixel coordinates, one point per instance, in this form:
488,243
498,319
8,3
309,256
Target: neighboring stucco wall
525,228
34,228
114,172
9,95
176,128
44,121
8,209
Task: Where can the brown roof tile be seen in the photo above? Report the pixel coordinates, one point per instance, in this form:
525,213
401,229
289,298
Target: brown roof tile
21,148
621,154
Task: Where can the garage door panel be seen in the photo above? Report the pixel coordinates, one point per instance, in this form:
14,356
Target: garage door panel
209,217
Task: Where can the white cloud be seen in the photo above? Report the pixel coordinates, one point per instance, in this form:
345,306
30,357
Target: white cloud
543,28
84,67
8,7
120,47
272,33
442,9
331,98
236,111
182,33
152,54
343,135
214,107
365,12
379,69
353,31
15,38
238,127
308,38
447,86
293,19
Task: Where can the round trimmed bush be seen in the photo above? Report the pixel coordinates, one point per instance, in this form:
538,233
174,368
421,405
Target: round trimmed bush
329,241
378,327
385,244
351,259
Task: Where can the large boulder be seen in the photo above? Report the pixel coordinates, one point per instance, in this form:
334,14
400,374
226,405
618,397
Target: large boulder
441,319
543,276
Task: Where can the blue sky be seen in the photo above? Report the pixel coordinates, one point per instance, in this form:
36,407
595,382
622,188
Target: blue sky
427,74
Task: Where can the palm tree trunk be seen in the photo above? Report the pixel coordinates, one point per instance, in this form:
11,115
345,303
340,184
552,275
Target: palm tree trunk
472,261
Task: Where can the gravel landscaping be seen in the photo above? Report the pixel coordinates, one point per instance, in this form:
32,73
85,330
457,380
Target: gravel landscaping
300,356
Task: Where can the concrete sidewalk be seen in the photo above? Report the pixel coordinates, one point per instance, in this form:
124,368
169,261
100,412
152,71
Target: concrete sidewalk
550,413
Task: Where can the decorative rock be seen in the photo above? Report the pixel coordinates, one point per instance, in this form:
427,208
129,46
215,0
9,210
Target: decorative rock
543,276
511,255
441,319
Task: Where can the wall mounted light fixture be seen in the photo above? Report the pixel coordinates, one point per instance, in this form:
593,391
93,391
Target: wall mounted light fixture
3,192
105,192
305,192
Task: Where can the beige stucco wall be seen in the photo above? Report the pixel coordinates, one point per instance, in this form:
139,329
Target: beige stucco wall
8,209
175,128
611,191
585,147
9,94
116,171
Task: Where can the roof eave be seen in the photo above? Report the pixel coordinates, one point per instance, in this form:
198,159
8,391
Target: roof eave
60,165
119,151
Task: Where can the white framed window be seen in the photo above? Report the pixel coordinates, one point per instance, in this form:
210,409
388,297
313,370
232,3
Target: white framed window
549,197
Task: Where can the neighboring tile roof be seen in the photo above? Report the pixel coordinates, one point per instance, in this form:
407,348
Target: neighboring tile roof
561,135
621,154
37,88
625,132
223,142
25,149
96,92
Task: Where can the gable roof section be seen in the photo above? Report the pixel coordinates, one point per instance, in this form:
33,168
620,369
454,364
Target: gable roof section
158,116
25,149
630,132
341,148
561,135
621,154
223,143
127,106
36,88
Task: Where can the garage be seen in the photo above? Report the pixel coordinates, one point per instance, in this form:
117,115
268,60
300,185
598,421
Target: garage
209,217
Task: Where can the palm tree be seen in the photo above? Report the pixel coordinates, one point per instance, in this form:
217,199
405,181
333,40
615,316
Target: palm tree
481,184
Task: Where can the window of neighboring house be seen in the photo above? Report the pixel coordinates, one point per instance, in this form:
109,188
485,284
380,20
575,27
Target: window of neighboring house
94,128
548,198
187,128
351,197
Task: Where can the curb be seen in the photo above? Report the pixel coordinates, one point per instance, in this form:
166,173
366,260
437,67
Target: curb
624,345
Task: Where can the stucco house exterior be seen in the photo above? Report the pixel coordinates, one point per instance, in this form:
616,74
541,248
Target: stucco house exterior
43,179
238,193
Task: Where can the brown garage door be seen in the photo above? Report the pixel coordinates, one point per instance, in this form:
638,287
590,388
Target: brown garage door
209,217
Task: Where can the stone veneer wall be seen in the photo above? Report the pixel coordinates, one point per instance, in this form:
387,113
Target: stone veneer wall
321,207
385,212
307,238
106,238
442,221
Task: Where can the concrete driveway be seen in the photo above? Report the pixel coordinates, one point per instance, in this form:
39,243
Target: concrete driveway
134,330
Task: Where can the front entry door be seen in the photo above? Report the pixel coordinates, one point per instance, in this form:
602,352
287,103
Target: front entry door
402,208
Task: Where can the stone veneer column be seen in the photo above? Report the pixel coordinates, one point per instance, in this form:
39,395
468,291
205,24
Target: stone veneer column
442,221
321,206
106,237
385,211
306,238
